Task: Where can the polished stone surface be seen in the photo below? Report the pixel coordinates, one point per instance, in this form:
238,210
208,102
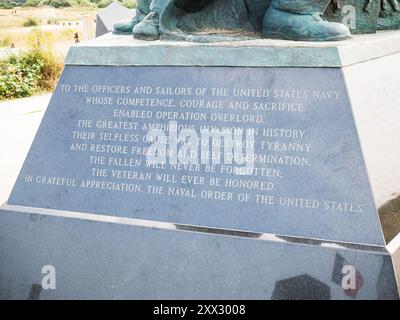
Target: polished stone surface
319,188
123,50
97,260
375,100
108,244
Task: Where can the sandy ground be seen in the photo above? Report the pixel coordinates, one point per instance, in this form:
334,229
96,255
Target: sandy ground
42,15
62,37
59,25
19,121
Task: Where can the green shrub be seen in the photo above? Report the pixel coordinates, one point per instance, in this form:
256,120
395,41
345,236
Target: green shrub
52,21
130,4
50,70
56,3
104,3
7,4
31,71
30,22
32,3
82,3
19,76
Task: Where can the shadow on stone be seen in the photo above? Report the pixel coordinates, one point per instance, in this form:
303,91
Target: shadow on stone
302,287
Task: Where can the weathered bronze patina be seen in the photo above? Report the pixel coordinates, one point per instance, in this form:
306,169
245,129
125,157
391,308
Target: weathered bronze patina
306,20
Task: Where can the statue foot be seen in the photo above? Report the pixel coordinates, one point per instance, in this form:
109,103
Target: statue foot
149,28
303,26
126,26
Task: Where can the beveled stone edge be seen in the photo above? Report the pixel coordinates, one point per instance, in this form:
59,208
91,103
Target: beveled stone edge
374,48
329,244
210,56
394,244
122,50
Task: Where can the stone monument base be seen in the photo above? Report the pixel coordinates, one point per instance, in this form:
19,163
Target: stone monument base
99,257
106,244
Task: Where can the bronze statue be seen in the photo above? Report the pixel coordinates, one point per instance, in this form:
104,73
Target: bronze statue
281,19
284,19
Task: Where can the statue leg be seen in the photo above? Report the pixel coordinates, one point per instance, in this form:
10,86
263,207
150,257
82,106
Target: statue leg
142,10
301,20
149,27
389,16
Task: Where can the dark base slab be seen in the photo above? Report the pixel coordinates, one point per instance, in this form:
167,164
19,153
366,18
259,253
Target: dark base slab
149,263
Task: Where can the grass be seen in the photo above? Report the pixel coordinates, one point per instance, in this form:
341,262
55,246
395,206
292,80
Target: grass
42,15
42,37
63,38
5,41
60,23
30,22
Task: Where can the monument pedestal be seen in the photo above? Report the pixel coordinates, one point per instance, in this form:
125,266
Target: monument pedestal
121,260
303,224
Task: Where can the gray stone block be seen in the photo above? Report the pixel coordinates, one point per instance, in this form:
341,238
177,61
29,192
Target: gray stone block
86,202
106,17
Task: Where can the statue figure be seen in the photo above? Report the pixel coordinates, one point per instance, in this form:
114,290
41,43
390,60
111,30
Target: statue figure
301,20
394,5
389,16
280,19
372,15
145,25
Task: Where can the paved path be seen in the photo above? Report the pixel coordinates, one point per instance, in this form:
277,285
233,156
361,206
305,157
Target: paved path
19,121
